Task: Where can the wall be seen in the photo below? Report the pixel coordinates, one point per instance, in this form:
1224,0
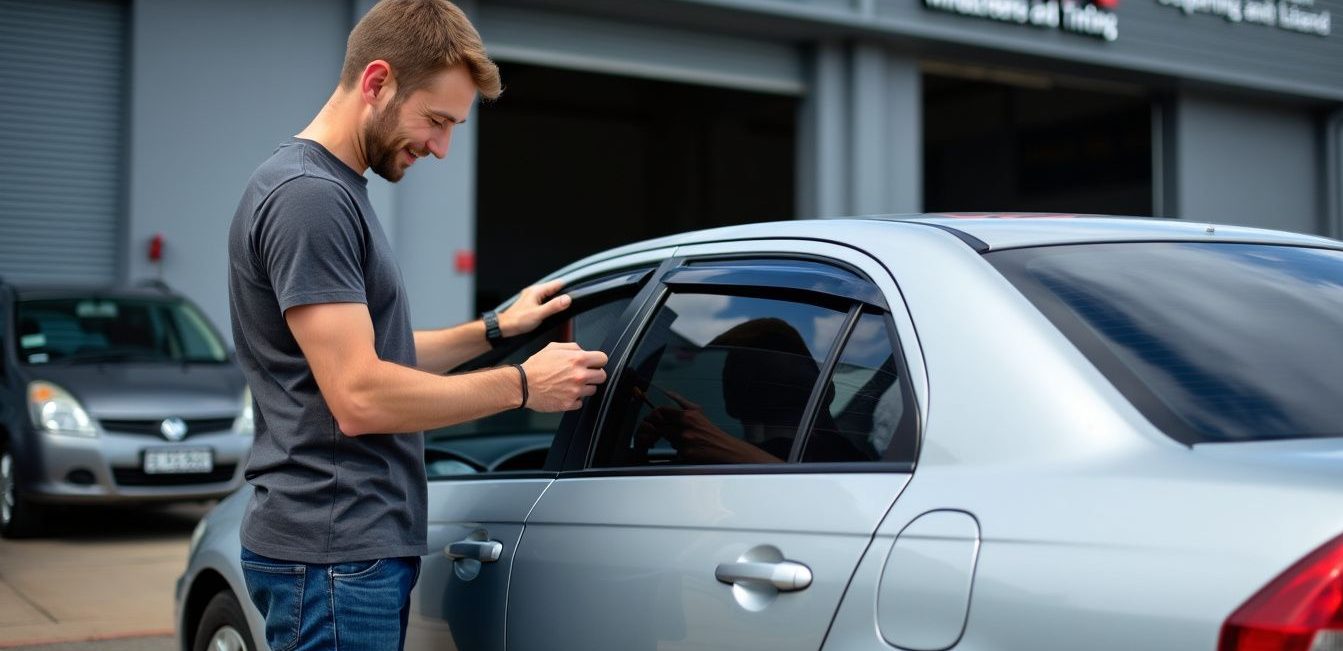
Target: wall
1248,163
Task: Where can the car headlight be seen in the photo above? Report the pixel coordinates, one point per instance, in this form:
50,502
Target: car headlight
53,409
245,424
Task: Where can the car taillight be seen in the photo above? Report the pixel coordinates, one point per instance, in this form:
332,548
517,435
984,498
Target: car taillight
1301,610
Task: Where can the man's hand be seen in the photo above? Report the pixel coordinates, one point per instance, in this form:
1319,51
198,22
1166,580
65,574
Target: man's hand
561,375
696,438
534,305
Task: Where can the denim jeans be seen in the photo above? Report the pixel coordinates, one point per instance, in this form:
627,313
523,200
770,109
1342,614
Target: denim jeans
358,606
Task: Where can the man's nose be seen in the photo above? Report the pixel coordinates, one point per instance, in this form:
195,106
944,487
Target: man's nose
439,146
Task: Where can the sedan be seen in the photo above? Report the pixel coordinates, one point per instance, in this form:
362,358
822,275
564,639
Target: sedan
923,433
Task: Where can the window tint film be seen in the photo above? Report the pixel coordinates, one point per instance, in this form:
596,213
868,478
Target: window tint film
518,439
717,379
96,330
863,415
1213,342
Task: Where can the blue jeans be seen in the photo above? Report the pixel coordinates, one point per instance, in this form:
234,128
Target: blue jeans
363,605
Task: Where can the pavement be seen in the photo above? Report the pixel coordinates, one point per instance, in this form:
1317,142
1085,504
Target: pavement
99,575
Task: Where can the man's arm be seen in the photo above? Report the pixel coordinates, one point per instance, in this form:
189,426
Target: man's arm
439,351
368,395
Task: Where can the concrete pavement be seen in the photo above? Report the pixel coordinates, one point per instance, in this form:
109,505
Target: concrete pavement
101,574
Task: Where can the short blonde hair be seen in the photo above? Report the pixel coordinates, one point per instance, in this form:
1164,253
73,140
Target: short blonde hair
418,38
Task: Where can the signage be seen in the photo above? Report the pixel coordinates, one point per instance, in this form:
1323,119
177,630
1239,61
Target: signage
1095,18
1300,16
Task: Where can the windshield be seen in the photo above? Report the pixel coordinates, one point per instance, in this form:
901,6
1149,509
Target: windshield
1212,342
90,330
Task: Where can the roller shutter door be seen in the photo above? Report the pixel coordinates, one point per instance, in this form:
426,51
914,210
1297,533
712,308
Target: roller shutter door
62,65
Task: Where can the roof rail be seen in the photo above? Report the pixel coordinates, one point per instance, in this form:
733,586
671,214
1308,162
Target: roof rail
155,283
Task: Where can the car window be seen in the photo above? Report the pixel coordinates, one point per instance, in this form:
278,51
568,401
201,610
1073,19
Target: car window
866,413
1213,342
96,330
717,379
518,439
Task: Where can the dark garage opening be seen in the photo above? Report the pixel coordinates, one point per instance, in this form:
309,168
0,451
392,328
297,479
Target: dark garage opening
1044,147
571,163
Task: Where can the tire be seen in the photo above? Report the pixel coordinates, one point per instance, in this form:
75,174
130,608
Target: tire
223,627
19,518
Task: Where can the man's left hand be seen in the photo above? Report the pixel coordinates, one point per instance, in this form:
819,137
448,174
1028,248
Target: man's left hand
534,305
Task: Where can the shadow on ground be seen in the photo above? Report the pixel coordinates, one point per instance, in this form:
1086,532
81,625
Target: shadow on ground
122,523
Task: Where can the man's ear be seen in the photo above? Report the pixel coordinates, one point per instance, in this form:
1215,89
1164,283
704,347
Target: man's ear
377,85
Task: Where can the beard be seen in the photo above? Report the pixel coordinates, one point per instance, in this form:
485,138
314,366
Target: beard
380,142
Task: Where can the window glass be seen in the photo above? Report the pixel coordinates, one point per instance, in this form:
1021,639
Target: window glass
717,379
864,416
95,330
518,439
1213,342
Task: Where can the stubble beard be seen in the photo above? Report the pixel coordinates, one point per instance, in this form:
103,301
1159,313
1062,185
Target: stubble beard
380,142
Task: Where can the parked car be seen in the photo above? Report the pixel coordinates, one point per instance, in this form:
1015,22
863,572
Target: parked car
113,395
924,433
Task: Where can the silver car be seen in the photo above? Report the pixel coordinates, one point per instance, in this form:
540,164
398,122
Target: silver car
113,395
920,433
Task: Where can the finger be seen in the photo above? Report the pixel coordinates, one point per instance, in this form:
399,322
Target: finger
575,405
594,358
565,345
587,390
598,376
545,290
556,305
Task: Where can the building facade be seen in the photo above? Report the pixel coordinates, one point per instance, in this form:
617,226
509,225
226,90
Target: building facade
625,119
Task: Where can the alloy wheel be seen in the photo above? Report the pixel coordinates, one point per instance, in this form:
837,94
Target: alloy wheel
227,638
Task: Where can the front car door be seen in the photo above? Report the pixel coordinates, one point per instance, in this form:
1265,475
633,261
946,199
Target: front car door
757,425
485,476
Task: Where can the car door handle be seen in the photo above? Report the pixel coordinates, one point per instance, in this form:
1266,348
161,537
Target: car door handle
785,576
485,551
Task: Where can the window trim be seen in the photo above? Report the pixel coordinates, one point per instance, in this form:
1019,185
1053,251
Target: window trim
579,460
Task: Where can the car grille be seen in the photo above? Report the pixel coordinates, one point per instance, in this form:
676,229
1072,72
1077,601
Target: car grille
138,477
151,427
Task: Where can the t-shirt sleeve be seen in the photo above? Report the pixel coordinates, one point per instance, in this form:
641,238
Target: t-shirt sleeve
311,242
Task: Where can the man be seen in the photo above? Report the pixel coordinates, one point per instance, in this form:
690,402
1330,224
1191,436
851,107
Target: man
337,523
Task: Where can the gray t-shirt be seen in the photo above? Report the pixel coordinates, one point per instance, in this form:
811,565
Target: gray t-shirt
305,233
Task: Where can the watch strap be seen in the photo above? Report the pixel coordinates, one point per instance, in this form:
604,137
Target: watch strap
492,332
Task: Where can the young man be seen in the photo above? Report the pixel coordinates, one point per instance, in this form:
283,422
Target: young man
343,387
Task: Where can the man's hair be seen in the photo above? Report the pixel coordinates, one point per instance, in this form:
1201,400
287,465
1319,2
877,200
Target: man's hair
418,38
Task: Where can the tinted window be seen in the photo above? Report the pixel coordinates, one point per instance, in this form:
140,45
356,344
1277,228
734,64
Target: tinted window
864,415
518,439
717,379
1213,342
109,330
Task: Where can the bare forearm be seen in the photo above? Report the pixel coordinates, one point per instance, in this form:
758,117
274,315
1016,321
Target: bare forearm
440,351
390,398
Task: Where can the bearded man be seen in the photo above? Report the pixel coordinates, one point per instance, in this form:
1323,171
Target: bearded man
342,386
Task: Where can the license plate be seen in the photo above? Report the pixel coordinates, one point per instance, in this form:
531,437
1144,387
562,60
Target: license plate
164,462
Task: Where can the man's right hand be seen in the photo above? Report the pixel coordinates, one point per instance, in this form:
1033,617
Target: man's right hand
561,375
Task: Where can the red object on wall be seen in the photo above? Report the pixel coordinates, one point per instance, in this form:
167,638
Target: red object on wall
156,248
466,262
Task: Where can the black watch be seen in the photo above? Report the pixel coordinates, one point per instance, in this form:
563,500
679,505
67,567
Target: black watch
492,332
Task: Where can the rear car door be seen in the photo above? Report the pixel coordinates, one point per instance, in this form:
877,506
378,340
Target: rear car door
757,425
485,476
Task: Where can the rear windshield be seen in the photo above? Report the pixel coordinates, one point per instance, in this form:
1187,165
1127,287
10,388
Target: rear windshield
1212,342
95,330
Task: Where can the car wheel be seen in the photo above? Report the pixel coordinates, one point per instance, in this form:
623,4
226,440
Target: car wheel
223,627
19,518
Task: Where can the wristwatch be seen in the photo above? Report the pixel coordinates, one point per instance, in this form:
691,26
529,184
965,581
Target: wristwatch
492,332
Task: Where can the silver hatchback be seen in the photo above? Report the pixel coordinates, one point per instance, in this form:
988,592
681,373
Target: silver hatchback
920,433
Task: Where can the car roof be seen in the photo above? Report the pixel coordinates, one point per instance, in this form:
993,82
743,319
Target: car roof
73,291
985,232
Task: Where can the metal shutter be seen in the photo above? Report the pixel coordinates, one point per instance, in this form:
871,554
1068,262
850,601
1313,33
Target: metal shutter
62,68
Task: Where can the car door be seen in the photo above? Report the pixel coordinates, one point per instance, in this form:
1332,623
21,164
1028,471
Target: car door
485,476
756,428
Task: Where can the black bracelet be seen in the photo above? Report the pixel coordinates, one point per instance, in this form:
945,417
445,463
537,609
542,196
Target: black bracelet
522,375
493,334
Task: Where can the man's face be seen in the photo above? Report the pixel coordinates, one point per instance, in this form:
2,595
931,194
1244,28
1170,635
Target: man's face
413,126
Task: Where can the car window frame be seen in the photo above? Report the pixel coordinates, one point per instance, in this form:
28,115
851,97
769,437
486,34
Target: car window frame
588,290
578,461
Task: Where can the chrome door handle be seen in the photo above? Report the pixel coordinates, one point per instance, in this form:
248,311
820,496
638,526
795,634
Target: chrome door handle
485,551
784,576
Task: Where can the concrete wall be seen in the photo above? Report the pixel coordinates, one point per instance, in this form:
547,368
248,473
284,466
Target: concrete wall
1240,162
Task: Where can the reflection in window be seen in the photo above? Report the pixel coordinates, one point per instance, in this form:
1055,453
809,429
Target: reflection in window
517,439
866,419
718,379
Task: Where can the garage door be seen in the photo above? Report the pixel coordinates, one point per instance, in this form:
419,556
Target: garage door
62,67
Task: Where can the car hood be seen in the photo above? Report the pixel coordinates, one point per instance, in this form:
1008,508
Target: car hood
150,390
